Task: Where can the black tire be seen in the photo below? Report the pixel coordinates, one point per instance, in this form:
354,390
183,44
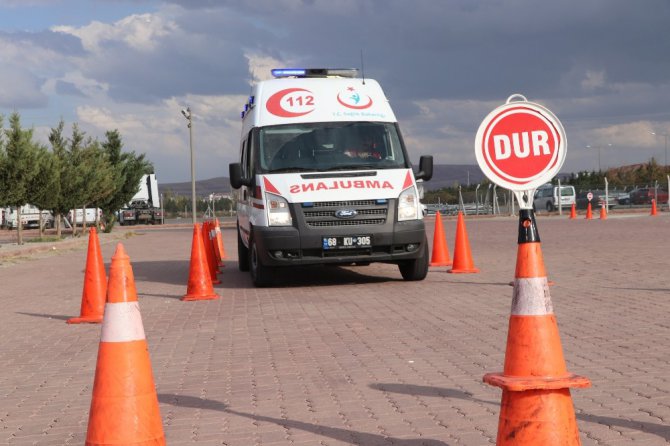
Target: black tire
242,253
417,269
550,206
261,275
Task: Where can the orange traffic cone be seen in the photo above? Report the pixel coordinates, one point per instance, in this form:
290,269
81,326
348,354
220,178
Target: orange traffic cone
573,212
654,211
219,241
440,256
462,262
124,406
209,254
95,284
603,212
536,406
589,212
199,278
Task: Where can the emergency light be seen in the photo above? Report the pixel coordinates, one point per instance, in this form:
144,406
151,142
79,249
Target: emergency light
314,72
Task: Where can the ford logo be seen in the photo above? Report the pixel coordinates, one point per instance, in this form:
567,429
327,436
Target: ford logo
346,213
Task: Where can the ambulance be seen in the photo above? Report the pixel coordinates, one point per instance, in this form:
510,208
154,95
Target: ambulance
324,177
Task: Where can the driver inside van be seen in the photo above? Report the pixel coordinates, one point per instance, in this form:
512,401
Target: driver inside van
366,148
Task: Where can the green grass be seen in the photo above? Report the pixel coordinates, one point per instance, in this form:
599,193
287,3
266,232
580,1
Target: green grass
51,238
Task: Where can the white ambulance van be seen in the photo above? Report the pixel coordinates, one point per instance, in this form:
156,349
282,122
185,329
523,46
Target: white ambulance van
324,177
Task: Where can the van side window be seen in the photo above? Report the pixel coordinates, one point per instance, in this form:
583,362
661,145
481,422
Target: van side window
245,158
251,157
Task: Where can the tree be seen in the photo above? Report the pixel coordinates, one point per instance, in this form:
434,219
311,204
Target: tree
63,201
20,167
3,161
127,168
44,190
97,176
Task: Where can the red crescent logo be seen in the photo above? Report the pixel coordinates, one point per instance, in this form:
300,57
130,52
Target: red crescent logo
355,107
274,105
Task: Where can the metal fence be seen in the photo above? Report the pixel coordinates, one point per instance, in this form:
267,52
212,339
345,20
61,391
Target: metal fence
498,201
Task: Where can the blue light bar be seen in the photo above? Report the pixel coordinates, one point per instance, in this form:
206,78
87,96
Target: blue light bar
308,204
381,201
286,72
315,72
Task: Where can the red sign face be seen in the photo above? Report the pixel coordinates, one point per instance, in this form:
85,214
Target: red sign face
520,146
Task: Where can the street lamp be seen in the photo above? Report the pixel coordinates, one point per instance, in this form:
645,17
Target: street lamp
189,117
665,135
598,147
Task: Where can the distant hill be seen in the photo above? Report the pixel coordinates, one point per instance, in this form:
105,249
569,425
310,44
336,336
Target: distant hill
444,175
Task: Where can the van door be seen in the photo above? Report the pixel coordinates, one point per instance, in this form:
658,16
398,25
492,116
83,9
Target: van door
245,193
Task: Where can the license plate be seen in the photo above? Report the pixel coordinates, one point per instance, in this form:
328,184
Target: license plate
346,242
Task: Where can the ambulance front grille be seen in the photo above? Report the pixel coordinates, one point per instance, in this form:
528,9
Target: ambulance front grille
368,212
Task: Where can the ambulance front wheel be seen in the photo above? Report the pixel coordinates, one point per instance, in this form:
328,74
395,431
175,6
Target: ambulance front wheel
261,275
416,269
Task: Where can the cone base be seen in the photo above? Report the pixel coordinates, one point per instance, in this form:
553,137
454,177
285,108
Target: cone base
85,320
537,417
464,271
190,297
522,383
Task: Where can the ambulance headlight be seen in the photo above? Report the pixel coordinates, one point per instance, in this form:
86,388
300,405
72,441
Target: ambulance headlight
278,210
408,205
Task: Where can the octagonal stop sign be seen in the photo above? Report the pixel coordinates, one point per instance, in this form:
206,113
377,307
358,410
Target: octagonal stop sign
520,145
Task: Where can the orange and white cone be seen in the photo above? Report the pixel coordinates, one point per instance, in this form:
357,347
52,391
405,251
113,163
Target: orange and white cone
219,241
654,211
603,212
440,255
209,253
573,212
462,262
536,407
199,278
95,284
124,406
589,212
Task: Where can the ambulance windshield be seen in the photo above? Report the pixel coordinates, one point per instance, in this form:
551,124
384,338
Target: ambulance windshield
330,146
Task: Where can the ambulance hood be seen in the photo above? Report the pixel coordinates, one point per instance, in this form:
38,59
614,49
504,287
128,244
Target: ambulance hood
338,186
286,101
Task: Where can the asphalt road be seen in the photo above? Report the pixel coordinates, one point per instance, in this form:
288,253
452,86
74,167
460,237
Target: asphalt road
347,355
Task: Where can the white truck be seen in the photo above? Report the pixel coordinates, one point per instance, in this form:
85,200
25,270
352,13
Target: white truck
145,206
30,217
324,177
92,216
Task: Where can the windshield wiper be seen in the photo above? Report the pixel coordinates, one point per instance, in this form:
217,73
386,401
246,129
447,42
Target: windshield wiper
292,169
351,167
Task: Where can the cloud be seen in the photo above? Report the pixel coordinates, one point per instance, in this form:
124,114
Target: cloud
160,131
600,66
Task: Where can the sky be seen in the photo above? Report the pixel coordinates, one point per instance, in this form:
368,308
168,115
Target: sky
601,66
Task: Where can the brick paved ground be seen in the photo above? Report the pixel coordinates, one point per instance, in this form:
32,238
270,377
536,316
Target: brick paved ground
339,356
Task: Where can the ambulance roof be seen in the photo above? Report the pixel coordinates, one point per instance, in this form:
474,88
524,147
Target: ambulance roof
290,100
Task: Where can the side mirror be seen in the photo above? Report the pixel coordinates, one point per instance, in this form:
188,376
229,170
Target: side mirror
235,174
425,168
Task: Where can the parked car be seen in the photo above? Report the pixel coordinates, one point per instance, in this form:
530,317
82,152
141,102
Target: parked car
546,197
597,201
622,197
644,195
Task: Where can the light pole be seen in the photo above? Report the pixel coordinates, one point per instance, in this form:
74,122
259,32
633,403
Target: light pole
187,114
665,135
598,147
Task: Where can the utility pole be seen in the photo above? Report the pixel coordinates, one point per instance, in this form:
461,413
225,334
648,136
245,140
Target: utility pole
189,117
